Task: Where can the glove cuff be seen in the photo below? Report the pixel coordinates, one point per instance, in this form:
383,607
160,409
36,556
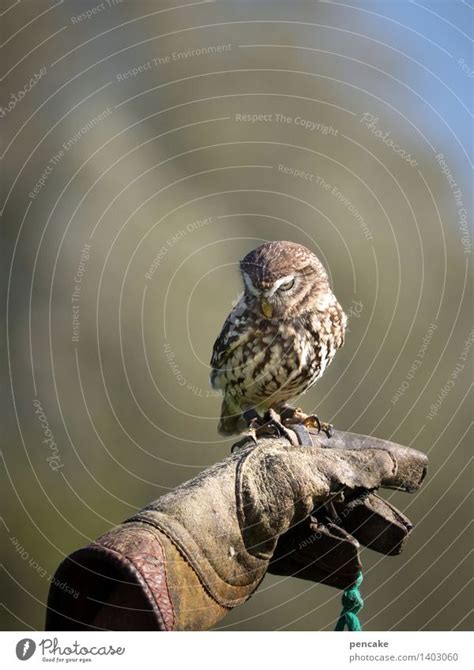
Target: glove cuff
133,578
228,587
115,583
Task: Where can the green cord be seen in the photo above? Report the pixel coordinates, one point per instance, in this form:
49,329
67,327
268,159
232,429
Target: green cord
352,603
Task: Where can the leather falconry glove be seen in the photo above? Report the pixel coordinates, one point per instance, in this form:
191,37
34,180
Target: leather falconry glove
187,559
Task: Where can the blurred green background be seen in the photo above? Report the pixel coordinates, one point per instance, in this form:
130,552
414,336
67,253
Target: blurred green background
154,134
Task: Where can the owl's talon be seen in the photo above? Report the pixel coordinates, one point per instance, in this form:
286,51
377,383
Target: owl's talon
327,428
274,421
249,436
252,435
269,425
313,421
291,416
254,424
275,424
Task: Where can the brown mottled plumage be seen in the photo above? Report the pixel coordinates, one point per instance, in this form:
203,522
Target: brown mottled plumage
280,337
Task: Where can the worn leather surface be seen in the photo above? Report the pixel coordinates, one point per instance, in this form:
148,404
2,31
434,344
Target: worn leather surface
116,583
411,463
201,518
318,552
202,549
194,608
375,523
142,547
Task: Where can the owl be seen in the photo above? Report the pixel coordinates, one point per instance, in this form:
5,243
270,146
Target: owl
279,338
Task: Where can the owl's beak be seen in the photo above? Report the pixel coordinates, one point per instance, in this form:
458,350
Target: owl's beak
267,309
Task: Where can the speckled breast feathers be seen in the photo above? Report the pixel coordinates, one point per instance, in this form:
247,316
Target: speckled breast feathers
280,337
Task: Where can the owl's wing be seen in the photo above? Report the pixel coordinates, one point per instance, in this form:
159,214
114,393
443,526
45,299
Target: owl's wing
235,332
229,339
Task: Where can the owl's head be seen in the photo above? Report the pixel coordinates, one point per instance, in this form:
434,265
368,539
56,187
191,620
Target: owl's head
283,280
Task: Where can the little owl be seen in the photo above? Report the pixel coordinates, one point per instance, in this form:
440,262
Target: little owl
280,337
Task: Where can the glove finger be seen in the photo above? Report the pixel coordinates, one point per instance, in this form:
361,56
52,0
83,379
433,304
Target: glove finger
366,469
375,523
317,552
411,463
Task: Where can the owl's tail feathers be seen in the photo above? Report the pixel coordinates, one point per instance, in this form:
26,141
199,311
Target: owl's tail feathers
232,422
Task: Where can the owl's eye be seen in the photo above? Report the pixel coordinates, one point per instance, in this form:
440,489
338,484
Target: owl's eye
287,285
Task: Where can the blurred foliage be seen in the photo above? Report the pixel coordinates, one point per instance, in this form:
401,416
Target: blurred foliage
172,174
